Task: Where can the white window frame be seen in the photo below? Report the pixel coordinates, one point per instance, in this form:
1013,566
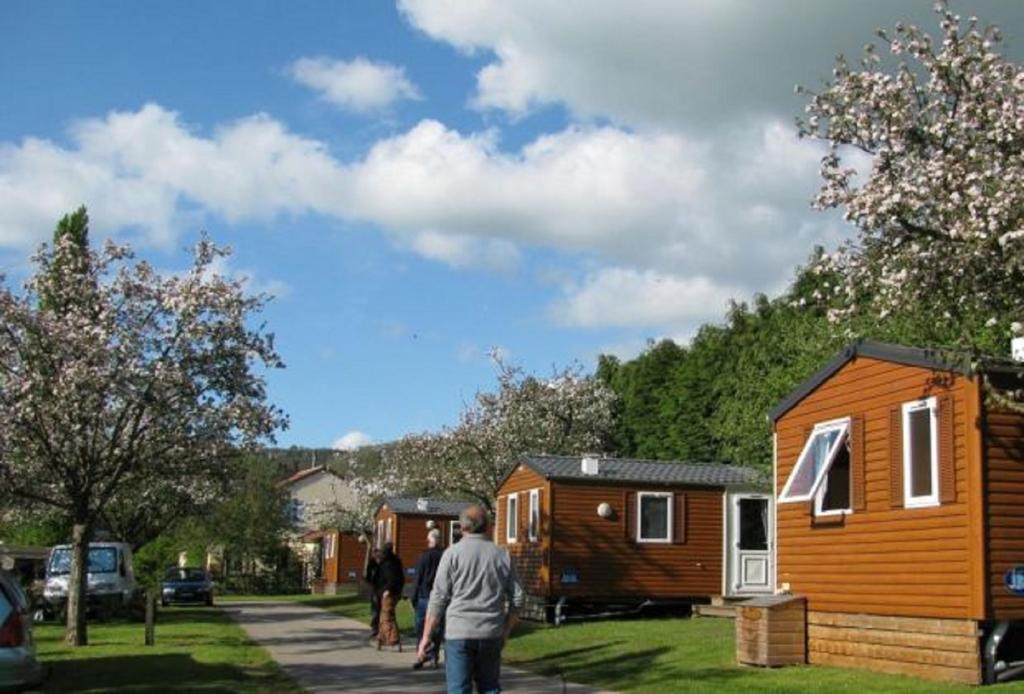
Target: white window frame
379,540
512,520
819,498
926,500
452,525
533,529
843,426
640,496
329,546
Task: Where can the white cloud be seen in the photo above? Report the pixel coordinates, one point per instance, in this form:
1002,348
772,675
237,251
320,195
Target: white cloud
351,441
253,282
460,251
624,297
354,85
140,170
730,209
665,63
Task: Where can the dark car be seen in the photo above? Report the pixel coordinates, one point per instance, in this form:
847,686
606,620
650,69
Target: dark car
186,585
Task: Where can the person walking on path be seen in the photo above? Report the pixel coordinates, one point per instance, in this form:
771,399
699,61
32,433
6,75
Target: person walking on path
426,569
370,576
390,579
477,593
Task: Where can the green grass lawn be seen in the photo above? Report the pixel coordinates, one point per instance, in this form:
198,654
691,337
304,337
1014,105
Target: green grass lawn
197,650
671,654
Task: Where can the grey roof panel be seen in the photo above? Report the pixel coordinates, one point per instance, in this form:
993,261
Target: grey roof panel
435,507
644,471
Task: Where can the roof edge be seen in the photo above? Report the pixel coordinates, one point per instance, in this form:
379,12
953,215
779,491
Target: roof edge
926,358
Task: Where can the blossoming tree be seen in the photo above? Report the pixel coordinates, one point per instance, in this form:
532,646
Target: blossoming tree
940,214
567,413
117,381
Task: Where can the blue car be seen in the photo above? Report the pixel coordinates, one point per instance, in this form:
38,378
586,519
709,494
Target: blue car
186,585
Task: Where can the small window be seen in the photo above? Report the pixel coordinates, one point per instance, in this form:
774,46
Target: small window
920,453
533,530
654,517
512,518
378,541
819,454
835,493
454,532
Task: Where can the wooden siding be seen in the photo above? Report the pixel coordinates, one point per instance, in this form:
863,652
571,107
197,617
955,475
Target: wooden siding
945,650
611,564
351,558
884,560
530,556
1004,497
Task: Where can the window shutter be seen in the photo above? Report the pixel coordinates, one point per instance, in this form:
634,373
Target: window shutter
947,456
628,515
499,537
895,458
858,502
679,520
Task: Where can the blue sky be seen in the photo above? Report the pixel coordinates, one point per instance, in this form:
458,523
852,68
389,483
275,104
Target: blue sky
419,183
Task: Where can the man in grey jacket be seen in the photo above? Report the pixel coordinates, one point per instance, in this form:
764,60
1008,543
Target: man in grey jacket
478,593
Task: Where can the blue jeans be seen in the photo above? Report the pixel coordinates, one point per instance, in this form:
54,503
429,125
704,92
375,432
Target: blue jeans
469,661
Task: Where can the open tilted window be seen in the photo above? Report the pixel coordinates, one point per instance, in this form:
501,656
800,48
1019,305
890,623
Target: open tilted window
825,445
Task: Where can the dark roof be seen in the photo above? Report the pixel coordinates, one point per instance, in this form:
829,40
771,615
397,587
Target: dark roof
935,359
643,471
435,507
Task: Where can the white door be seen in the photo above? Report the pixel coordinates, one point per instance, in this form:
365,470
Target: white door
750,548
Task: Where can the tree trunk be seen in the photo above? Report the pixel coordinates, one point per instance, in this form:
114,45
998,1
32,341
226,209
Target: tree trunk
150,617
75,633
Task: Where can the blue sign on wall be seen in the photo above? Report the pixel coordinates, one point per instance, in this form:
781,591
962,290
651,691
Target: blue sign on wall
351,574
1015,580
410,572
569,576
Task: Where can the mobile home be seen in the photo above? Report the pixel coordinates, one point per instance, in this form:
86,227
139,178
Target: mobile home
405,521
900,513
618,531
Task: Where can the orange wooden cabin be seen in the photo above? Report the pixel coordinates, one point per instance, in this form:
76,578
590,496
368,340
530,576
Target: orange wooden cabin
342,560
620,532
405,522
900,513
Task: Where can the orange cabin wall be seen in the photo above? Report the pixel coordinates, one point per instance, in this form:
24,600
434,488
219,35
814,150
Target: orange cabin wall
1004,498
918,562
409,534
530,557
608,563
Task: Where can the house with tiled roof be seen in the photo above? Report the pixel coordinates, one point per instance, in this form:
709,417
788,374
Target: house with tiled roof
616,531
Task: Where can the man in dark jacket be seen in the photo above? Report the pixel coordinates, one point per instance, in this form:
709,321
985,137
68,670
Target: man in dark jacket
426,568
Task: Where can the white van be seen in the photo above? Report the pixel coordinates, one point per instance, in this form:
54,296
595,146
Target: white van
111,585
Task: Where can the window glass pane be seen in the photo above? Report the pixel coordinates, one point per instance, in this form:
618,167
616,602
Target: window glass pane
816,457
753,522
920,422
836,494
513,516
654,518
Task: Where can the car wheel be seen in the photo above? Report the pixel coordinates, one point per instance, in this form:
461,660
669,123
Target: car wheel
164,603
209,601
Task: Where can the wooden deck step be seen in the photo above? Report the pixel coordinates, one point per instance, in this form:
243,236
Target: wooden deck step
719,607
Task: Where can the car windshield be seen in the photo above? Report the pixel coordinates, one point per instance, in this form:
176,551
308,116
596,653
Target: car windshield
185,575
102,560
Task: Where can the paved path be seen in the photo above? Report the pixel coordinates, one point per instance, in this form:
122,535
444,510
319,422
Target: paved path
325,652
